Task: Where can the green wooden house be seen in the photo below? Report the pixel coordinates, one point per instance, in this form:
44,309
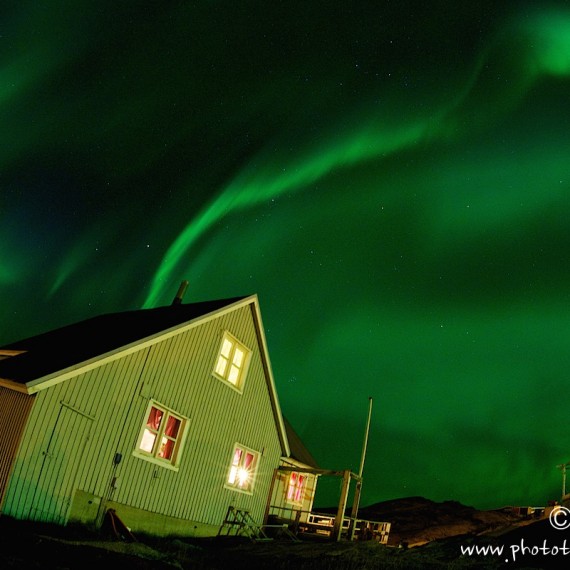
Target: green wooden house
167,415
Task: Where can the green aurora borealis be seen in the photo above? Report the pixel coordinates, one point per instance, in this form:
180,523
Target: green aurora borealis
392,179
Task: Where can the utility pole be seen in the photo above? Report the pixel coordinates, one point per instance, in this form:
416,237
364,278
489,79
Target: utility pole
365,442
354,512
563,467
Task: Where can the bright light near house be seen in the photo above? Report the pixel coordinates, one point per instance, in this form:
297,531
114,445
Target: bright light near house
243,477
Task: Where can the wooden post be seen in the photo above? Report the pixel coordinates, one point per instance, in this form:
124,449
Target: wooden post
354,512
297,521
337,528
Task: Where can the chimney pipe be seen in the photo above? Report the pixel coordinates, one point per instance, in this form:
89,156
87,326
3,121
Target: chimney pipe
180,295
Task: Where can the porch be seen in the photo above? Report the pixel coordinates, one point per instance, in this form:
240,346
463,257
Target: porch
305,522
319,525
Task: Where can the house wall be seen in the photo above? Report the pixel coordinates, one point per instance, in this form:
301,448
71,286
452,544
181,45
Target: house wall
14,410
77,427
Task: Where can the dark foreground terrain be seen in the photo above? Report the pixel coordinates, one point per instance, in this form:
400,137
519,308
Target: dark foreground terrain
516,543
28,546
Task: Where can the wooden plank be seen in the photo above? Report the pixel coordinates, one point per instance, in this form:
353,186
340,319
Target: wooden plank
15,409
337,528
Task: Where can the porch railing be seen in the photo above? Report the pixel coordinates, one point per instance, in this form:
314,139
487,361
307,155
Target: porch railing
311,523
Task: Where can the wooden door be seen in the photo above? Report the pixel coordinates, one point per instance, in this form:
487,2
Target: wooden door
61,459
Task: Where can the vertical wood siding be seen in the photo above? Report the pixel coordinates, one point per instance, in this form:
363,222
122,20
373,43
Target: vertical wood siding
110,404
14,411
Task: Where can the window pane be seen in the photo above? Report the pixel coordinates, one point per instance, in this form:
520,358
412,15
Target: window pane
226,348
221,366
231,362
161,435
238,357
244,478
147,441
300,489
233,375
172,427
154,418
290,492
242,470
166,448
237,456
291,488
248,463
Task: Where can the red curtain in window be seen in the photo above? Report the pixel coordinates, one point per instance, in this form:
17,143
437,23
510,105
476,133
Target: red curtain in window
172,426
154,418
248,464
300,489
292,486
166,448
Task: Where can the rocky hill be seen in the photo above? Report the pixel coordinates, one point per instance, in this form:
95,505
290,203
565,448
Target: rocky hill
416,520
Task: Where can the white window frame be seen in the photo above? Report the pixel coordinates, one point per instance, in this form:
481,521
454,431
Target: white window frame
298,489
233,480
153,456
222,372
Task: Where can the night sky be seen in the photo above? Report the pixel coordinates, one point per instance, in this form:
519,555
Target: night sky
391,178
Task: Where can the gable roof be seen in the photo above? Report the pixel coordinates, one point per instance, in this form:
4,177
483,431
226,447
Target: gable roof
41,361
298,450
69,346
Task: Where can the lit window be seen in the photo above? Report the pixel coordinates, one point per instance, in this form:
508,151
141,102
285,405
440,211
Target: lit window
242,469
296,488
161,435
232,361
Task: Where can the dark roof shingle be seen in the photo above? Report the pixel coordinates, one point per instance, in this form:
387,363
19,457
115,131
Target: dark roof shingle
80,342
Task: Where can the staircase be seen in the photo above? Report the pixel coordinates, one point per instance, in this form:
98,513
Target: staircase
240,523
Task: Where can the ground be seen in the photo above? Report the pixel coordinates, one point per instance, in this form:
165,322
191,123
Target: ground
30,546
442,529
